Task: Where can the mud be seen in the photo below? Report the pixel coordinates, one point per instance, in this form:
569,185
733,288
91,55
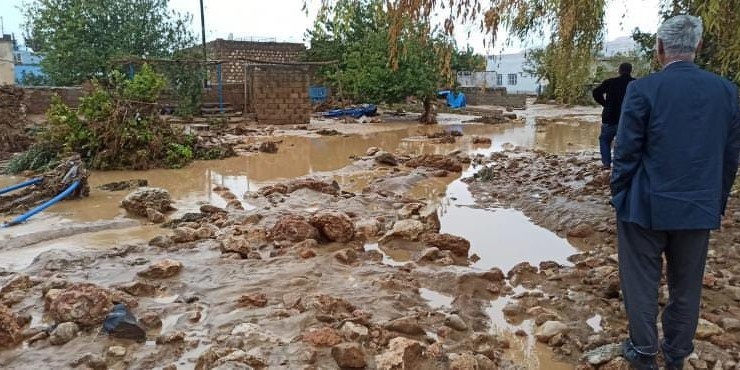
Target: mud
371,279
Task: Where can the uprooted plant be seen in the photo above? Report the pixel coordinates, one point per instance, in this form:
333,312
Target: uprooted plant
119,127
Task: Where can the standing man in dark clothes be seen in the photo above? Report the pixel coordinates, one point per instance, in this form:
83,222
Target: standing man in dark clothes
675,161
610,95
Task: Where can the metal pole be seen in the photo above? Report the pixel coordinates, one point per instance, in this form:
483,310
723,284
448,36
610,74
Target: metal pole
203,35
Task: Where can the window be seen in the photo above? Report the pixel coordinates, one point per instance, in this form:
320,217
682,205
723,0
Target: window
512,79
499,79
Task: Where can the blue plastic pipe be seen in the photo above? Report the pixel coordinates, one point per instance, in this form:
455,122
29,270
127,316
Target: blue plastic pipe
21,185
22,218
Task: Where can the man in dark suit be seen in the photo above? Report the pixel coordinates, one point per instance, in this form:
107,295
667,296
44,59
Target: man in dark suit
675,160
610,95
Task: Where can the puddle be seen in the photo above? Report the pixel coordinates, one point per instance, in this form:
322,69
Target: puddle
436,299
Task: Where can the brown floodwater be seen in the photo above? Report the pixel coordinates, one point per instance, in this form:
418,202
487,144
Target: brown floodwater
501,237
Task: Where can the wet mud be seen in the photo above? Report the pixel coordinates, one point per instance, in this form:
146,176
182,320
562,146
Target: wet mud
348,250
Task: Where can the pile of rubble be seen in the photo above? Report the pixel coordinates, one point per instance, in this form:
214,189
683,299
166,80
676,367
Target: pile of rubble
13,122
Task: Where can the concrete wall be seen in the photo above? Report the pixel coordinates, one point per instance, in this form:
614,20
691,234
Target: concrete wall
494,96
235,53
233,94
38,99
7,64
278,94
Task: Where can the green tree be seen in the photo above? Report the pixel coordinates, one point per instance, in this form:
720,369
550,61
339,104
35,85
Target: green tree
356,34
467,60
81,38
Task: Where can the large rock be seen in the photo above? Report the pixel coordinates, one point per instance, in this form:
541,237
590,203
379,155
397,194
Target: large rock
322,337
349,356
293,228
10,331
85,304
581,231
161,269
456,322
326,187
550,329
707,329
386,158
334,226
367,228
63,333
436,161
236,244
140,200
455,244
17,282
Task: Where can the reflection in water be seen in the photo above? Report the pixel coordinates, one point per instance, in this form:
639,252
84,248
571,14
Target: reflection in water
436,299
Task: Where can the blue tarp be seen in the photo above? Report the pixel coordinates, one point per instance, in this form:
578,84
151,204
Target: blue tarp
354,112
454,100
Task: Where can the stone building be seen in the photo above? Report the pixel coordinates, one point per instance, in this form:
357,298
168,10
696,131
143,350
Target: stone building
236,53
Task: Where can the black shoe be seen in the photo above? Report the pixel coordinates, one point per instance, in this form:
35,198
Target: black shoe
674,365
638,361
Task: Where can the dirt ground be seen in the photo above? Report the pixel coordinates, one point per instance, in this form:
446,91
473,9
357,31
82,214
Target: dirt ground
377,245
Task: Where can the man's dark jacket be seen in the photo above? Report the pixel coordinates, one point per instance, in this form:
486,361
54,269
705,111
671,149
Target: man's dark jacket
677,148
614,88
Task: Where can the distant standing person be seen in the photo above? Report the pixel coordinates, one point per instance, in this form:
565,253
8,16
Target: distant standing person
610,95
675,160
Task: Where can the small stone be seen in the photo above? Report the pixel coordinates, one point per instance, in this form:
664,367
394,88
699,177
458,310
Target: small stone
293,228
512,309
154,216
211,209
386,158
63,333
161,269
161,241
581,231
307,253
206,231
405,325
349,355
116,351
346,256
17,282
10,332
322,337
603,354
456,322
355,332
253,300
150,320
550,329
90,360
170,338
730,324
184,234
428,255
334,225
707,329
406,229
372,151
403,353
457,245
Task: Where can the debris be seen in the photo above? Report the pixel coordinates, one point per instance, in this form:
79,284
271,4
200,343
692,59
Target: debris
124,185
121,323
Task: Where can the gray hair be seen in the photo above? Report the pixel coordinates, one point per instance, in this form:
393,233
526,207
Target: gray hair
681,35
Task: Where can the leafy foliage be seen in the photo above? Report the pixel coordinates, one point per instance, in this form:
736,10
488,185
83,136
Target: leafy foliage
32,79
356,33
39,157
467,60
119,127
80,38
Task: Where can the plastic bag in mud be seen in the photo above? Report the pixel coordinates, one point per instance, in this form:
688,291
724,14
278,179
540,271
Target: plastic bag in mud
121,323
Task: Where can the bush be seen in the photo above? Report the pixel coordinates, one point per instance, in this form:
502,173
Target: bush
37,158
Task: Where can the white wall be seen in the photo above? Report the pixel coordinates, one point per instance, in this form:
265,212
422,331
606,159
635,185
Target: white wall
509,65
7,66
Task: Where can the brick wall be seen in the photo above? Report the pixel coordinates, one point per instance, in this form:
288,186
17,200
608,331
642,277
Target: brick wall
493,96
234,54
38,99
278,94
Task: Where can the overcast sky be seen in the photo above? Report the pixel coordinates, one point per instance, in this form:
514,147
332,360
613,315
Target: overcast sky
284,20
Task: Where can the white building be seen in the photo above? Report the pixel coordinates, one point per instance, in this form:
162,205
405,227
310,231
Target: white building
510,73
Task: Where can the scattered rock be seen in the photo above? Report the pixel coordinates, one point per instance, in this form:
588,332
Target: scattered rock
707,329
406,229
140,200
139,289
428,255
211,209
124,185
10,332
457,245
367,228
355,332
162,269
405,325
206,231
603,354
154,216
253,300
730,324
161,241
456,322
169,338
521,268
403,353
349,355
435,161
269,147
346,256
386,158
63,333
581,231
150,320
481,140
84,303
17,282
334,225
236,244
372,151
293,228
116,351
550,329
323,337
184,234
90,360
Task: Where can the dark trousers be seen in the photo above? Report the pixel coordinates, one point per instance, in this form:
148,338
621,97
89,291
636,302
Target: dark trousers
640,267
608,132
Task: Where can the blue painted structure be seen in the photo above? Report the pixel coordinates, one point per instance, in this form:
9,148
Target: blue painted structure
27,62
318,94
